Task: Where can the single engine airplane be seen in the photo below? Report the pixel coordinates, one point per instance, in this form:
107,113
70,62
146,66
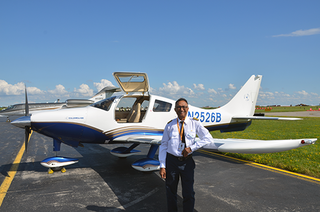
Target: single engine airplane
137,117
19,109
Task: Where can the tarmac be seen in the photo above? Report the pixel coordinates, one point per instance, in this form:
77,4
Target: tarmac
103,182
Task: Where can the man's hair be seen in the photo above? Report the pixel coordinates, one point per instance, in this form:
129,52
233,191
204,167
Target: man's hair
181,99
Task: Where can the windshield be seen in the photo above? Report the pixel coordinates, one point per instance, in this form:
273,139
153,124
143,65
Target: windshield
104,104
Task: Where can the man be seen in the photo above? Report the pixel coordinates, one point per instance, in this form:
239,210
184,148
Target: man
175,155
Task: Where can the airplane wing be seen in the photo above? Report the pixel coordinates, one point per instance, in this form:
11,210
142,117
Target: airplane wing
234,145
266,118
257,146
221,145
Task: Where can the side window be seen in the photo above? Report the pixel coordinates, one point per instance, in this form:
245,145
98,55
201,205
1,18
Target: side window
161,106
104,104
131,109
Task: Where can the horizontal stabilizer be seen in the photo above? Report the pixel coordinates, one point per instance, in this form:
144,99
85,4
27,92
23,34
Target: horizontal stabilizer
145,139
257,146
146,165
266,118
123,152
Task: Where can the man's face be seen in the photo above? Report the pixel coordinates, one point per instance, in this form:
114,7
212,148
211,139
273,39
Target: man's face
181,109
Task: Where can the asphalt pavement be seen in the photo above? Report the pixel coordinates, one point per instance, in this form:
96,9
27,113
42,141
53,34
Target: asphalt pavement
102,182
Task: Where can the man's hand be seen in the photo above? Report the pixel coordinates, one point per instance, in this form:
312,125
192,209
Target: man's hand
163,173
186,151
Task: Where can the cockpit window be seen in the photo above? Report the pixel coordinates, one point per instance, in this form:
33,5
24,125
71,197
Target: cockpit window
131,79
161,106
104,104
10,107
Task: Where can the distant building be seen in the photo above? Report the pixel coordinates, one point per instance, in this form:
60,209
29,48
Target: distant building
302,105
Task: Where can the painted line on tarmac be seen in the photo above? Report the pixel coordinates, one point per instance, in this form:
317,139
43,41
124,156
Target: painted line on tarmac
13,170
138,200
266,167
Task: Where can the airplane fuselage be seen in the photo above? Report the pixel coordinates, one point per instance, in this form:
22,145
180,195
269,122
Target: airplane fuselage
19,109
93,124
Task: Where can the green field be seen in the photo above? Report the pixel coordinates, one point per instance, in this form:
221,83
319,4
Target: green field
286,109
305,160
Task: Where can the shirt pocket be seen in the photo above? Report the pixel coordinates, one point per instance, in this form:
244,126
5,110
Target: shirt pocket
174,141
191,136
175,135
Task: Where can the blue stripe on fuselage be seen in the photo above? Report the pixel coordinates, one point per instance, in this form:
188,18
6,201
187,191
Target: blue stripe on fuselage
84,134
69,131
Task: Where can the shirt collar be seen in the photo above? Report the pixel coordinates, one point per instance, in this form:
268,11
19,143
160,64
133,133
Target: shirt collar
186,120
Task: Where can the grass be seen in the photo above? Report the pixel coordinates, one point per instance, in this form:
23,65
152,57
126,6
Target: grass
305,160
286,109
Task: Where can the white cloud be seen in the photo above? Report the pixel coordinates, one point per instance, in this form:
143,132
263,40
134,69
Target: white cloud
84,90
198,95
266,94
198,87
102,84
220,90
300,32
211,90
231,86
174,88
17,89
59,90
34,91
8,89
281,94
303,92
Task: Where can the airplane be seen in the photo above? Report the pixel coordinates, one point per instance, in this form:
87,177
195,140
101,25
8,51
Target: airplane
19,109
137,117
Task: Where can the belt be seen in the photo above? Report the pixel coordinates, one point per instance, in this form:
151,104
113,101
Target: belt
181,158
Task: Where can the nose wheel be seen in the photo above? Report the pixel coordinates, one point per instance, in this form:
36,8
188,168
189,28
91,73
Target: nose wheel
55,169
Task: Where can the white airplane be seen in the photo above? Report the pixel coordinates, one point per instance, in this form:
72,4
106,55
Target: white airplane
138,117
19,109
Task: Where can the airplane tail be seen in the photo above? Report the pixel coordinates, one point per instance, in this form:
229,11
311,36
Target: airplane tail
104,93
244,102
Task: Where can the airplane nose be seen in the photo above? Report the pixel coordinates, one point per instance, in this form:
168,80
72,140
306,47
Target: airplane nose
22,122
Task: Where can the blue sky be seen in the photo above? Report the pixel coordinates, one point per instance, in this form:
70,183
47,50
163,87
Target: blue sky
201,50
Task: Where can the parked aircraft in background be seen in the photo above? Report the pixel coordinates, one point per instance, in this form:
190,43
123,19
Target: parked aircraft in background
19,109
137,117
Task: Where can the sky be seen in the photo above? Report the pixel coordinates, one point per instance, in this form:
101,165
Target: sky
200,50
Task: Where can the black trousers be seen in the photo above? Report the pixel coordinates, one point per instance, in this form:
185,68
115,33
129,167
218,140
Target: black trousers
184,169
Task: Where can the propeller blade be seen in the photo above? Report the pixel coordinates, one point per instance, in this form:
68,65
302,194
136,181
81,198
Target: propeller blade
27,131
27,105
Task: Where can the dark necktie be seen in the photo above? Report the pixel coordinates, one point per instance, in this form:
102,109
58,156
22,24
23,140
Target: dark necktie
183,138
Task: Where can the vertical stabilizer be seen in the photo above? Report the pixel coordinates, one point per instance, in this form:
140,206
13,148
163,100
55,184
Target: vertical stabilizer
244,102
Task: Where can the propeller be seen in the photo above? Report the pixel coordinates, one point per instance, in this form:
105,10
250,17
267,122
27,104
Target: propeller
24,122
27,129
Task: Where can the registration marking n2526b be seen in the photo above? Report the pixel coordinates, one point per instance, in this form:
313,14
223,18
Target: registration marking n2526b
206,116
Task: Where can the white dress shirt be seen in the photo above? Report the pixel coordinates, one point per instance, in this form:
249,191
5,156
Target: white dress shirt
171,138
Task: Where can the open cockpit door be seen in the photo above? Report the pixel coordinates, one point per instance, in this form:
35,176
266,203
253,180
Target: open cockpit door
132,82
